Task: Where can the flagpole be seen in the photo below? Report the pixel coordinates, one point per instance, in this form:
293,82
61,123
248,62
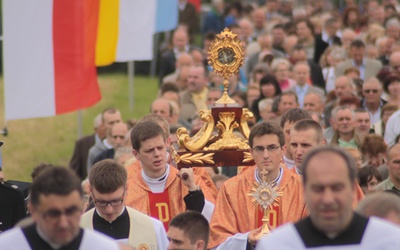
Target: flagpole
131,69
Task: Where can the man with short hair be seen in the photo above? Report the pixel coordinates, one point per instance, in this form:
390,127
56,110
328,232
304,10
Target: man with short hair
287,121
163,108
180,46
304,135
385,205
56,207
394,63
188,230
110,216
117,139
362,121
299,54
195,97
109,117
287,100
158,189
314,102
79,157
372,101
345,135
343,87
329,182
301,74
393,163
236,221
368,67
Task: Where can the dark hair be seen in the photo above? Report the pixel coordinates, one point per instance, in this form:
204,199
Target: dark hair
308,23
397,139
143,131
107,176
349,160
373,144
349,100
365,175
266,128
357,44
389,107
39,169
55,180
294,115
279,26
307,124
270,79
346,14
169,86
242,95
389,80
210,36
158,120
194,226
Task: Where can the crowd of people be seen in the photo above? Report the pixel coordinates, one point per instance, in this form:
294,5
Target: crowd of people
323,84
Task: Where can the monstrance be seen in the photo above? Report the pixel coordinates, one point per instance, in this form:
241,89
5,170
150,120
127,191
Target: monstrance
265,195
216,143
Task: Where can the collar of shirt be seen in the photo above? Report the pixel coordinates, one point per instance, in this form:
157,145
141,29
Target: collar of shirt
349,144
122,211
357,66
277,180
178,53
108,145
325,37
45,238
301,89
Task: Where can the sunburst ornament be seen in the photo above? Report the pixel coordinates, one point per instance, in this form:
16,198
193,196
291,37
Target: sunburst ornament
265,195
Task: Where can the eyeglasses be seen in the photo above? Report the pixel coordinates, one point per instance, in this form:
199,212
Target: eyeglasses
370,90
269,148
55,214
113,203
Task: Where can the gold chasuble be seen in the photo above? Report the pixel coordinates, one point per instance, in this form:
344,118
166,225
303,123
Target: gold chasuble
165,205
199,171
235,213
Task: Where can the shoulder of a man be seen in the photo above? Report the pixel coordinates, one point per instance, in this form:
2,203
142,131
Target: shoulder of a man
13,239
384,185
94,240
382,233
278,239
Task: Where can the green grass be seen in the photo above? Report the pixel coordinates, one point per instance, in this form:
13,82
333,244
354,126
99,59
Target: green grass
52,139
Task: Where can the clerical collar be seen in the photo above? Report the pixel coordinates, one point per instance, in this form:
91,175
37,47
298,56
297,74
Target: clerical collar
156,185
277,180
44,237
314,238
122,211
298,171
288,162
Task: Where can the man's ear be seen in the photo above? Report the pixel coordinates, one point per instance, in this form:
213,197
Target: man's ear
136,154
284,148
168,141
323,142
200,245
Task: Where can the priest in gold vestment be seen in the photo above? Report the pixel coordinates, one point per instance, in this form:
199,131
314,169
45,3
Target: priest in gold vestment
160,190
236,220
